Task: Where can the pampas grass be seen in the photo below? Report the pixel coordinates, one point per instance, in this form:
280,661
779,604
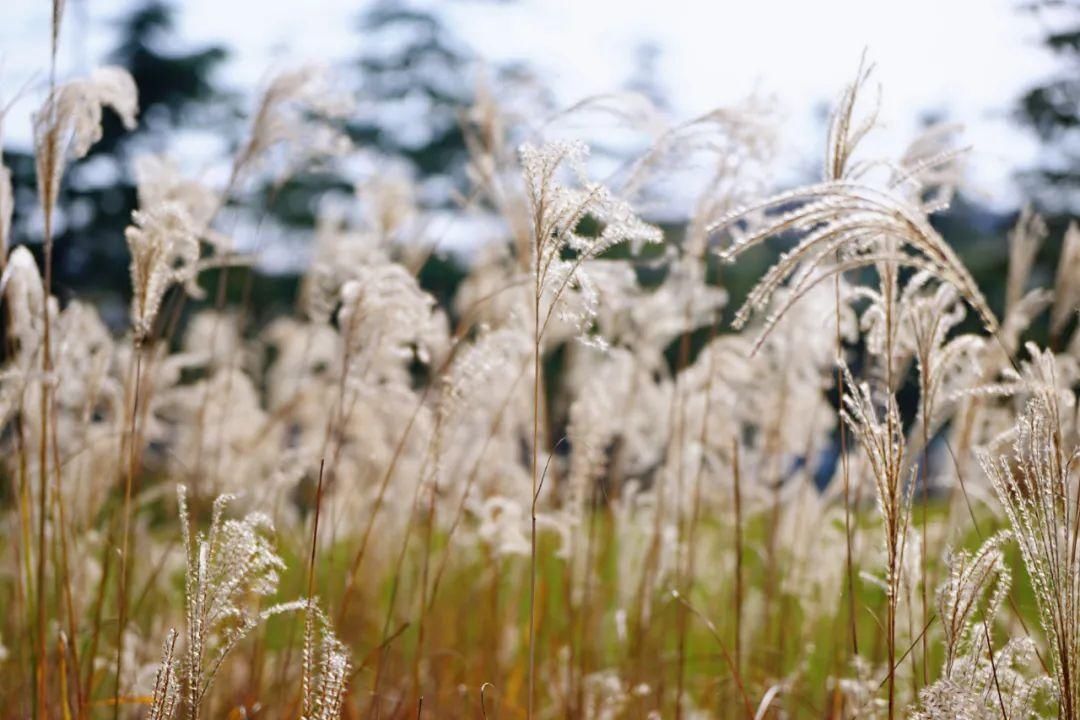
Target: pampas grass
569,490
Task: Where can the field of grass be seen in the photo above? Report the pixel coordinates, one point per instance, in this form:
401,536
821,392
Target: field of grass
574,488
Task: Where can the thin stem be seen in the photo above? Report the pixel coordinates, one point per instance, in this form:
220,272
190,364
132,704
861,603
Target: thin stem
535,486
737,491
845,472
125,533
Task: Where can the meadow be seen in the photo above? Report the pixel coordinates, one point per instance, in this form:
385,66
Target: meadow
587,485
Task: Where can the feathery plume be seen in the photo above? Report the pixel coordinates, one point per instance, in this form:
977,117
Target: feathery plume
69,123
1037,487
164,249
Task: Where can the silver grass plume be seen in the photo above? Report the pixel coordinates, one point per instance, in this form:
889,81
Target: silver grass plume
977,681
1066,285
166,694
226,567
989,685
946,365
1025,239
295,119
884,446
883,442
159,181
326,667
1038,489
24,293
386,319
164,248
69,122
979,578
557,209
847,223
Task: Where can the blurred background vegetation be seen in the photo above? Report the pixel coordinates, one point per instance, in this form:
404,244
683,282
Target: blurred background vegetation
422,79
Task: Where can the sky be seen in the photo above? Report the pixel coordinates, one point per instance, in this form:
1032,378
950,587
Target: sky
965,60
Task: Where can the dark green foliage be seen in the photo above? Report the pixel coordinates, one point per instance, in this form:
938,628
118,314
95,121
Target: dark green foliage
1052,110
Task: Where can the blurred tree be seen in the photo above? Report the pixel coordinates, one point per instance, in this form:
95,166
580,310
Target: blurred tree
412,82
175,90
1052,109
416,77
